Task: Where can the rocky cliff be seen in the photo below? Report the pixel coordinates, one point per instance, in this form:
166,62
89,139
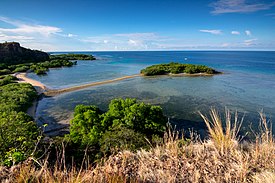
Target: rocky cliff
12,53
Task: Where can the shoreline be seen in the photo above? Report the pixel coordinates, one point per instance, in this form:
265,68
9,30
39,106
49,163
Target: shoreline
40,88
184,74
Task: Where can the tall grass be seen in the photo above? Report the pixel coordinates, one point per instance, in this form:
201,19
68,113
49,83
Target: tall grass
224,139
221,158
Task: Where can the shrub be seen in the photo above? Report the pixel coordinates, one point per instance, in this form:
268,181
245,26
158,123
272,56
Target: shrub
5,71
124,120
18,136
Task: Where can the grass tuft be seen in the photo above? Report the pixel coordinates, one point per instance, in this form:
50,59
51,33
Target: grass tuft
224,139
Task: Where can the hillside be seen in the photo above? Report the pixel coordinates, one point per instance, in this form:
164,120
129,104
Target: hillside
12,53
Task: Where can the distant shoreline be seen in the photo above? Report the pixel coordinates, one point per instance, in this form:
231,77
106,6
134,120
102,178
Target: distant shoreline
189,75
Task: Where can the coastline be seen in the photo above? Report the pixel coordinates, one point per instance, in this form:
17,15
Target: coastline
39,87
182,75
190,75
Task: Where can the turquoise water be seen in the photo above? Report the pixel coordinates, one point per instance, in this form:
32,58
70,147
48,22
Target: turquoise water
247,85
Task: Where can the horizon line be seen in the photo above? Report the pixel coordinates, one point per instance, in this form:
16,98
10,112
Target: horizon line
157,50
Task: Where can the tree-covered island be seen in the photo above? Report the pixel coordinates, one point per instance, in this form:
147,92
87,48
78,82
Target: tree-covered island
177,68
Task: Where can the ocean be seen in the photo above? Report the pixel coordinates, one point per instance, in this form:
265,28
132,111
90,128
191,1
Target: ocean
247,85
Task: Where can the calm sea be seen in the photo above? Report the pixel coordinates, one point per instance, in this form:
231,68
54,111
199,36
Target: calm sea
247,86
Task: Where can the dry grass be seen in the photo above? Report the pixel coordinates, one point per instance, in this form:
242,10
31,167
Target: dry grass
226,139
222,158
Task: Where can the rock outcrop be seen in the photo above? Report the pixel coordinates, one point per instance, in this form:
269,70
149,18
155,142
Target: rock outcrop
12,53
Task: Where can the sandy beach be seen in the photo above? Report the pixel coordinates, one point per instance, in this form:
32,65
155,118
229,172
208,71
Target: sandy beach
40,88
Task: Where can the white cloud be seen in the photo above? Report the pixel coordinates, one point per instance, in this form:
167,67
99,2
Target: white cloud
239,6
23,28
249,42
235,32
143,35
124,41
4,37
34,35
216,32
248,33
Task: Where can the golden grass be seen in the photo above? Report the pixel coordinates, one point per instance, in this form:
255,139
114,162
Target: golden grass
222,158
224,139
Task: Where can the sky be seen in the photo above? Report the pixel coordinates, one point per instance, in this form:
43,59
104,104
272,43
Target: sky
139,25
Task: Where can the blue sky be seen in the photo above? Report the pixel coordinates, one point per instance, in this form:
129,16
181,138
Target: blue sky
113,25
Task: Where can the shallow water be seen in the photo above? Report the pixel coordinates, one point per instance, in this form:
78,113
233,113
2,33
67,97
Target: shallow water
247,85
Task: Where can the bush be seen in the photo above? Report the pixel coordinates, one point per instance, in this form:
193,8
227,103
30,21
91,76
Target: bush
18,136
16,97
7,80
86,127
5,71
125,125
21,69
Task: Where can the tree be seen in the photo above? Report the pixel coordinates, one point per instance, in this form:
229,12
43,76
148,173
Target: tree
86,126
92,127
140,117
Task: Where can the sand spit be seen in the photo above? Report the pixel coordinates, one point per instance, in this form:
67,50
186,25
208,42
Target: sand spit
75,88
41,88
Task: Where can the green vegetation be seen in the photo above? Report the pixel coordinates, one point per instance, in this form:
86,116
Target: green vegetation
124,126
14,58
43,67
4,72
176,68
16,97
40,68
19,135
4,80
18,132
72,56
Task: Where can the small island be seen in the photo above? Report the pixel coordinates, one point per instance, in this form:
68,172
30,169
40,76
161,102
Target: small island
72,56
175,68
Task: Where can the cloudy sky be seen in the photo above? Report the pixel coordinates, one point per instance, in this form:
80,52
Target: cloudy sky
113,25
